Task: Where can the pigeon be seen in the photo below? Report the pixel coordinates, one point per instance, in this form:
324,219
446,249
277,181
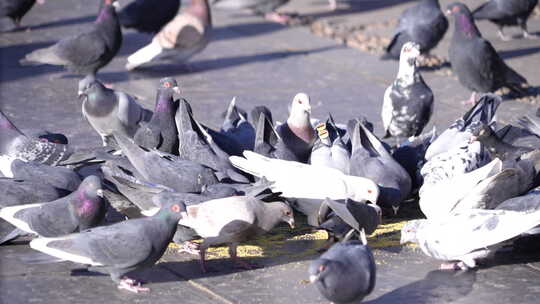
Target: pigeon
408,101
160,132
86,52
135,15
119,248
423,23
265,8
330,148
529,202
165,169
268,142
14,144
58,177
474,60
107,110
459,133
297,133
361,216
504,12
496,147
520,136
370,159
181,38
439,199
197,145
18,192
233,220
468,235
410,155
15,11
307,185
237,128
82,209
346,273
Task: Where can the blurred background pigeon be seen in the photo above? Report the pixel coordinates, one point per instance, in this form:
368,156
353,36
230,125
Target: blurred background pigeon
505,13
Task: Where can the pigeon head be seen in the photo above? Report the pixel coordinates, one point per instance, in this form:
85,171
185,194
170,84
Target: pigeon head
408,232
464,22
88,203
169,83
164,98
364,189
320,269
300,111
409,52
287,215
85,83
173,211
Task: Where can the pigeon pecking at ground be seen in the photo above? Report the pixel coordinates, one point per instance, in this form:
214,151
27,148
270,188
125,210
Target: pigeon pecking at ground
14,10
86,52
408,101
346,273
148,16
505,13
423,23
475,61
119,248
181,38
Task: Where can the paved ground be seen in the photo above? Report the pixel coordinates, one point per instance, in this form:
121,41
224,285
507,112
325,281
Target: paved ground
261,63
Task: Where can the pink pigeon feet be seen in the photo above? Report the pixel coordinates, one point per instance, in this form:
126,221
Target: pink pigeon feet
190,247
453,266
471,101
332,5
277,17
131,285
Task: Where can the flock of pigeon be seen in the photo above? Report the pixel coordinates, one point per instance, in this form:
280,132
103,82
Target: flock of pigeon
179,180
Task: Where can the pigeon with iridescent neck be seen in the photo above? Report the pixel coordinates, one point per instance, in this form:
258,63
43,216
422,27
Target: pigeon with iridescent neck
86,52
408,101
297,133
82,209
160,132
181,38
476,63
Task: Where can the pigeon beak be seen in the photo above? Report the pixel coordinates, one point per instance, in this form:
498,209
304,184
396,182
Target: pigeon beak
291,222
40,1
176,90
99,193
116,5
313,278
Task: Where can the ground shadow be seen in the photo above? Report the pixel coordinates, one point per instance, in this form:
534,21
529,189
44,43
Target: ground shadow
63,22
353,7
519,52
244,30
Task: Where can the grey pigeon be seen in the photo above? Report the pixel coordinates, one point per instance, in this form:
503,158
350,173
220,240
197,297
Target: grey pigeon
306,186
234,220
268,142
504,12
237,127
119,248
461,130
182,37
474,60
135,15
423,23
82,209
58,177
346,273
265,8
497,147
408,101
364,217
297,132
14,144
523,136
86,52
330,149
160,132
15,11
17,192
196,144
107,110
370,159
166,169
529,202
466,236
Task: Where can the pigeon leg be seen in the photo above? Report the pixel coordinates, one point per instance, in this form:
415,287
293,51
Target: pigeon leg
502,35
131,285
190,247
526,33
238,263
471,100
332,5
202,254
277,17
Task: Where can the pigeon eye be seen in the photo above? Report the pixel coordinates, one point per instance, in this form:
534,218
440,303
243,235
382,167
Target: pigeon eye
175,208
167,84
288,213
369,191
300,101
322,268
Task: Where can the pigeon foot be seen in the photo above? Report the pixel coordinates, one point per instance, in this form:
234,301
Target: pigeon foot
132,285
189,247
530,36
453,266
277,17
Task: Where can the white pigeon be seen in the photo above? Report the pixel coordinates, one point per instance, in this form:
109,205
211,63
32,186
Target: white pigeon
468,235
184,36
307,185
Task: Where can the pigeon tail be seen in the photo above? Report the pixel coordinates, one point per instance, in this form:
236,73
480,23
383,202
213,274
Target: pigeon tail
144,55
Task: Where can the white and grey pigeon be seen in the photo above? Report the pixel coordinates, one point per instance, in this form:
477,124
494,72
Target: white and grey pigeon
109,111
466,236
82,209
307,185
408,101
423,23
297,132
346,273
119,248
181,38
233,220
370,159
14,144
330,149
460,131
